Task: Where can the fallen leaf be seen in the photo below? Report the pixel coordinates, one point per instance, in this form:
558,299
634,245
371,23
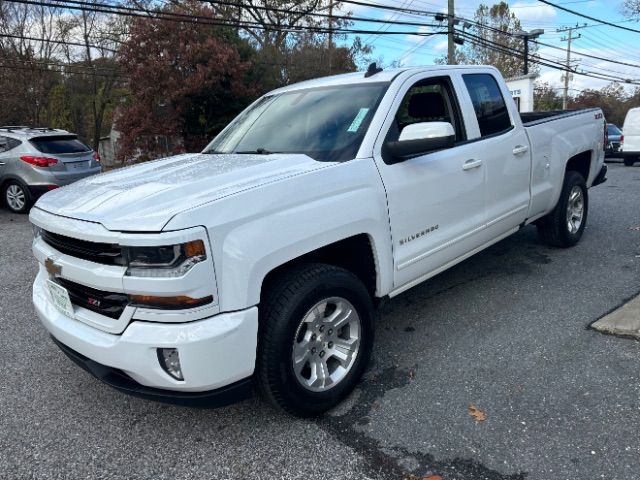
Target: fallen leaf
476,413
428,477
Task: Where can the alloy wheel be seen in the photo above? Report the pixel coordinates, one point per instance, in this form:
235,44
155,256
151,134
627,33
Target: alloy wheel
326,344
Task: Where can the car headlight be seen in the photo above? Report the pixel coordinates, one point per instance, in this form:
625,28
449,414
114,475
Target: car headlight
164,261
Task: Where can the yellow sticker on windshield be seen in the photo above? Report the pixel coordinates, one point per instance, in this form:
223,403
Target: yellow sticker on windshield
355,125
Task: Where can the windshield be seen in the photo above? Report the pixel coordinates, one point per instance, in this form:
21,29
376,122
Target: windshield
612,130
327,124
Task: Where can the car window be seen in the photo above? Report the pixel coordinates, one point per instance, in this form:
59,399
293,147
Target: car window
59,144
429,100
8,143
613,130
488,103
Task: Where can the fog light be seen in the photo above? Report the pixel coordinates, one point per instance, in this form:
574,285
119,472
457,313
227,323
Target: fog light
170,362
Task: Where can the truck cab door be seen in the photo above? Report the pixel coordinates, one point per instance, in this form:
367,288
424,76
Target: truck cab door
436,200
503,146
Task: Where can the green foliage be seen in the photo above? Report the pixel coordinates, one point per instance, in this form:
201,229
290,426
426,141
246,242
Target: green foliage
546,98
613,100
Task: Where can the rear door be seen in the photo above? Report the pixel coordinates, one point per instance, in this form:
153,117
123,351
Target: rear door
502,145
631,131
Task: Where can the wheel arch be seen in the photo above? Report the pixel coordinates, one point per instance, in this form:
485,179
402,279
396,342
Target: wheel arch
581,163
355,254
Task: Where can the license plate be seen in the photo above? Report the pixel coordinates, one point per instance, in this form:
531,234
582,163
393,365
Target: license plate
78,165
60,298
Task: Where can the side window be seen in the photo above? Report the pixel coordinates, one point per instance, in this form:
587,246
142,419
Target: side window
429,100
7,143
12,143
488,103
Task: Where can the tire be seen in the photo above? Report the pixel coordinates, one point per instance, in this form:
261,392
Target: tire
16,196
557,229
296,332
629,161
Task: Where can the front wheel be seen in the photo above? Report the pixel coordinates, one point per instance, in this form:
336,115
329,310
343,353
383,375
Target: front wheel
316,335
563,227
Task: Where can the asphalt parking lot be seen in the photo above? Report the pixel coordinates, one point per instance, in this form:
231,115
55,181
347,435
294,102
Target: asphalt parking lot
505,331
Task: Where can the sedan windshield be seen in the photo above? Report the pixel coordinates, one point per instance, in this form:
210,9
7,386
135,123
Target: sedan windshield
327,124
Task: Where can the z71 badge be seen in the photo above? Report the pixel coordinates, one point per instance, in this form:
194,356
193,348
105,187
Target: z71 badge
422,233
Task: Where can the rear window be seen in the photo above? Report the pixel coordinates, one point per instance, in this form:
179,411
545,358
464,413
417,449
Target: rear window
62,144
488,103
613,130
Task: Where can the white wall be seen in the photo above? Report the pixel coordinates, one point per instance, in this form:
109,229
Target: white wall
521,89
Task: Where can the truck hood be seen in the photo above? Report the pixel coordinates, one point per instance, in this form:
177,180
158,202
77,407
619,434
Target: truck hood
145,197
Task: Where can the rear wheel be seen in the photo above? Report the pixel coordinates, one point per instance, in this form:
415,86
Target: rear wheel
16,197
629,161
316,334
563,227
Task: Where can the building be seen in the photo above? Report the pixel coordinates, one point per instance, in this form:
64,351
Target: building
521,89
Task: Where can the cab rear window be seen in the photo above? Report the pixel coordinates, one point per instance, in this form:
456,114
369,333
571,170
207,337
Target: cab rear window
59,144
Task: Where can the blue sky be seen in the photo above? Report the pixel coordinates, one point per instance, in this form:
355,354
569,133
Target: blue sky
600,40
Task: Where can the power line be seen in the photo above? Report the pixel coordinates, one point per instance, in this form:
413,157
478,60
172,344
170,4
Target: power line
603,22
313,14
541,60
200,20
60,42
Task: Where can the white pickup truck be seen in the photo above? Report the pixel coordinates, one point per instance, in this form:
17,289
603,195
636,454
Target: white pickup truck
258,262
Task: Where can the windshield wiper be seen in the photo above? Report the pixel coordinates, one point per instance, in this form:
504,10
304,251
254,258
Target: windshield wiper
259,151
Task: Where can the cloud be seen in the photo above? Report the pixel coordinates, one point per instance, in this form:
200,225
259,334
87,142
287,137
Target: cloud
533,12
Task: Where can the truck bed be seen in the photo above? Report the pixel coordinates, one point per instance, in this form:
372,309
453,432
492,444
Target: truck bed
535,118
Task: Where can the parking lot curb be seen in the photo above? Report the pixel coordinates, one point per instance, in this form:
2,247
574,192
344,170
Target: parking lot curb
624,320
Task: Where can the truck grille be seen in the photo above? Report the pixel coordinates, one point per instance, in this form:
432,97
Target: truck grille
108,304
105,253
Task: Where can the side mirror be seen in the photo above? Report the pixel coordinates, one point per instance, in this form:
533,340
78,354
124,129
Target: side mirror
418,139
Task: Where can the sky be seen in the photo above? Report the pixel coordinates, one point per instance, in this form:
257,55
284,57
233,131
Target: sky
596,39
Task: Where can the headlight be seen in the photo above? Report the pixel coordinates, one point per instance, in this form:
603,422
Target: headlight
164,261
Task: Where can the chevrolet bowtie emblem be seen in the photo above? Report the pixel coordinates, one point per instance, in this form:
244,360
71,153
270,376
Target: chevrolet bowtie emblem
52,268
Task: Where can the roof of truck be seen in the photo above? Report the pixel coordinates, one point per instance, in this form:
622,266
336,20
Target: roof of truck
359,77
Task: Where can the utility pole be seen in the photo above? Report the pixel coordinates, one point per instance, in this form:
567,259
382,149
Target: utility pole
526,36
567,74
330,36
451,48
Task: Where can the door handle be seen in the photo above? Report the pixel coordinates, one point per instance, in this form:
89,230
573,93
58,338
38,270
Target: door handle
2,163
472,163
520,149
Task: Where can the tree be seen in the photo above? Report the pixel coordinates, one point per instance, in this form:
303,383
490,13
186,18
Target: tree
28,67
612,99
186,82
491,41
546,98
292,43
